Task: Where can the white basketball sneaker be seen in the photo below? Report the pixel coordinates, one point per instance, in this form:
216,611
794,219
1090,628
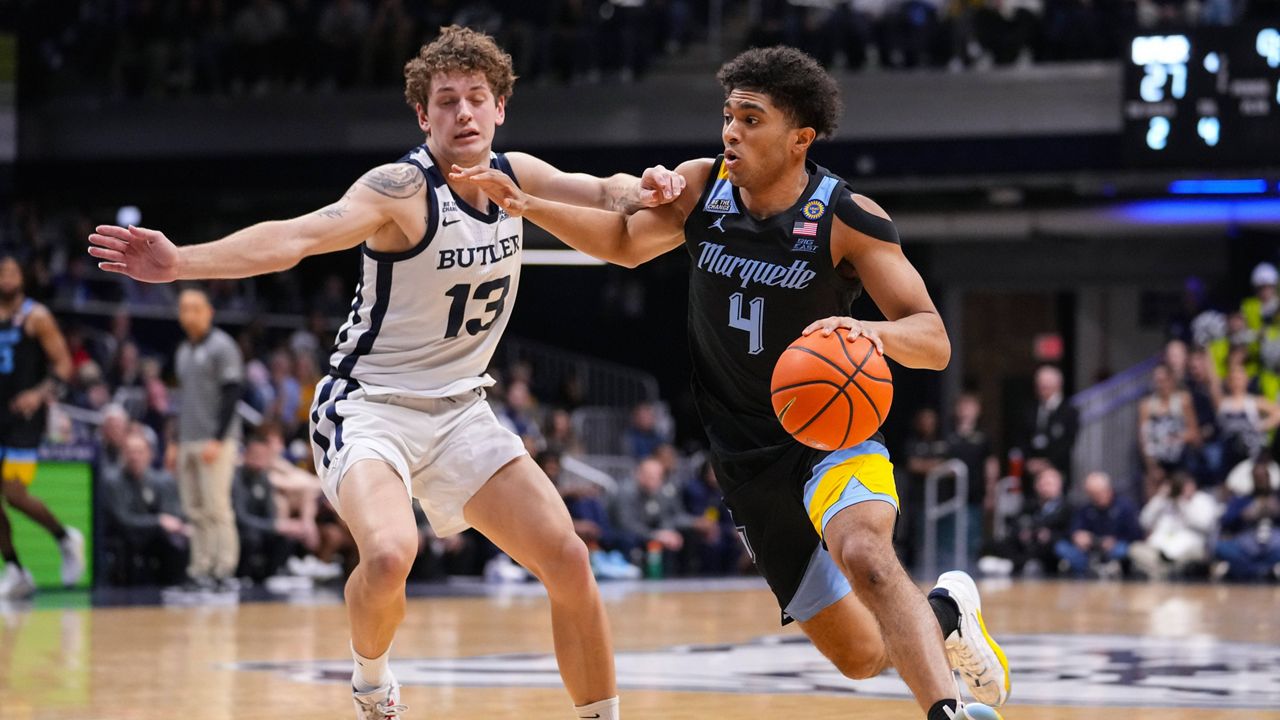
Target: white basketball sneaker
72,549
16,583
380,704
970,648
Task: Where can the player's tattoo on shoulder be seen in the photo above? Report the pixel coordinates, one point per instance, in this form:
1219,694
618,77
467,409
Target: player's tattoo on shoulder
394,181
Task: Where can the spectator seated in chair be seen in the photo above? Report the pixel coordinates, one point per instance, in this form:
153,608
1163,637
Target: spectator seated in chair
1101,531
146,536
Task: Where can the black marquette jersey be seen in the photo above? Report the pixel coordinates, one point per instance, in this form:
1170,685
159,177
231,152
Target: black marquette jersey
23,365
22,361
755,285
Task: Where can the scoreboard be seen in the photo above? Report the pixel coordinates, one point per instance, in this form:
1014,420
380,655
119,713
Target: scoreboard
1208,97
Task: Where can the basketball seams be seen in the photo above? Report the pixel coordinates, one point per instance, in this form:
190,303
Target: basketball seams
858,366
823,358
839,392
840,389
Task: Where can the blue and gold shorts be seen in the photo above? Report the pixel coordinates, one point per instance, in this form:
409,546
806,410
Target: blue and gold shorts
782,504
18,465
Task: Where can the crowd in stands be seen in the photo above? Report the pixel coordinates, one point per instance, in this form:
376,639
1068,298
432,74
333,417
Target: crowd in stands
1209,485
661,517
1206,498
137,48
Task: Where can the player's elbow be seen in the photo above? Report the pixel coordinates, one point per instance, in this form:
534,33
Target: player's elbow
628,260
940,357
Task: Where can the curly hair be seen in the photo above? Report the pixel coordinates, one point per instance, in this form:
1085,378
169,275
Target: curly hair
458,49
795,82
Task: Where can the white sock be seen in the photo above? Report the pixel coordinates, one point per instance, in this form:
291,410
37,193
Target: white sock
370,674
604,710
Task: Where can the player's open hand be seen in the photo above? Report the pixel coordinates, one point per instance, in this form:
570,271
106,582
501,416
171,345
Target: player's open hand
499,186
142,254
856,328
28,402
659,186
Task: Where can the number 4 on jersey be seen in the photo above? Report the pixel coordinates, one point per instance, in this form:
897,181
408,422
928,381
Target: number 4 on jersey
753,323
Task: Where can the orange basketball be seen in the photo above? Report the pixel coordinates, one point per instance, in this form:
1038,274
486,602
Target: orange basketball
830,393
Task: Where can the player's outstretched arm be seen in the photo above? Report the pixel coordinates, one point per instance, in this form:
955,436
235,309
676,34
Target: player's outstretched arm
377,198
913,333
627,240
622,192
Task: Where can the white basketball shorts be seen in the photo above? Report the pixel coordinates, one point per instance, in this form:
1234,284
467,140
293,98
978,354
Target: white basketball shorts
444,449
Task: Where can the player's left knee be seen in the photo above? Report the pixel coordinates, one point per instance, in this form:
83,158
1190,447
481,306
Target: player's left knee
13,491
867,560
859,665
567,566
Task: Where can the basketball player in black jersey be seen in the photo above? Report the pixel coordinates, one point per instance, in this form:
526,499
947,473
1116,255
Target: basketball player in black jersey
782,247
34,361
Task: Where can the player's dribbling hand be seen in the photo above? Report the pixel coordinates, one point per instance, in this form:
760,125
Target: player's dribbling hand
27,402
856,328
142,254
659,186
496,184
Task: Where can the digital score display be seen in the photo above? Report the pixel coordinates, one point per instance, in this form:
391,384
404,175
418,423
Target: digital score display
1208,97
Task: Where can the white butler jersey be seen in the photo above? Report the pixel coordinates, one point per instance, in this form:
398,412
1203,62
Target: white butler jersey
425,322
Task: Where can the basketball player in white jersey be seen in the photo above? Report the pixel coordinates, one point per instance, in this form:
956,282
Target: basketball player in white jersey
402,412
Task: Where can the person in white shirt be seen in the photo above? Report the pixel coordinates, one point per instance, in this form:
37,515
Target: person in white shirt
1178,520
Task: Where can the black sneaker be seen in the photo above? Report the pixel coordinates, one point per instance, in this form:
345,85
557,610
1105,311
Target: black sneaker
227,585
198,585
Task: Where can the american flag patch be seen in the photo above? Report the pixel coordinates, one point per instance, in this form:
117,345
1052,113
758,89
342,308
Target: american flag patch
809,229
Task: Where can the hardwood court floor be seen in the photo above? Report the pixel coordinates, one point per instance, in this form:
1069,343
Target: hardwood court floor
1104,651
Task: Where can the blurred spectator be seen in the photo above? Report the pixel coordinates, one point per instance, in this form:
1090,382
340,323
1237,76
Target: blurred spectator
1051,426
1034,532
716,549
1240,478
648,514
520,415
970,444
609,548
1178,520
1175,359
145,535
643,436
560,435
209,371
1250,545
1203,388
1167,427
157,411
1101,531
111,438
1244,419
125,376
458,554
1259,310
287,391
925,448
268,536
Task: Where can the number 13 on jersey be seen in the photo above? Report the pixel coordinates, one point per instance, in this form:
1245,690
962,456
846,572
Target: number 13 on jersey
752,323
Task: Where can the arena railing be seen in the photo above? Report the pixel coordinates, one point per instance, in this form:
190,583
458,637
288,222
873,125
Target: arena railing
936,510
602,382
1108,436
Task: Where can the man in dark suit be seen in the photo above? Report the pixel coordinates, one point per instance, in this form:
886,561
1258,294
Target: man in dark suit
143,513
1051,427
